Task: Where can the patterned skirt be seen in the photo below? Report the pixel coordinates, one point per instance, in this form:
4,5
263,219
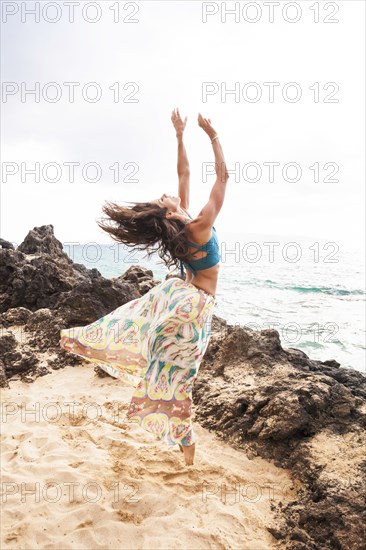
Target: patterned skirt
156,344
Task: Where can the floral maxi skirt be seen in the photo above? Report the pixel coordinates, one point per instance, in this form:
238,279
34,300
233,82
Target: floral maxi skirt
156,344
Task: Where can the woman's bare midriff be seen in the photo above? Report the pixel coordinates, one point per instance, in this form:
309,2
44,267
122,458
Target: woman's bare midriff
205,279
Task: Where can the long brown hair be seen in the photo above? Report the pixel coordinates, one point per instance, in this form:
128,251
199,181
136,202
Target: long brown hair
145,227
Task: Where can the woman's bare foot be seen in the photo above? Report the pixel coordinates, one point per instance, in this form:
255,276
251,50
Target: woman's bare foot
189,454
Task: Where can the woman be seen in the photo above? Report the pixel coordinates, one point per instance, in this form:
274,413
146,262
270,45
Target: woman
156,342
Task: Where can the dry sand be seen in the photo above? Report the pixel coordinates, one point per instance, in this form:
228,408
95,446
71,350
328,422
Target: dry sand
76,475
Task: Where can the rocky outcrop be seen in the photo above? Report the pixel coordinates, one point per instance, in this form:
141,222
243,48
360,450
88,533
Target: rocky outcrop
38,274
42,291
6,244
305,415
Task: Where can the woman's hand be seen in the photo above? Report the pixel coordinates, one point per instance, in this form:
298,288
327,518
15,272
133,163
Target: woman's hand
205,124
178,123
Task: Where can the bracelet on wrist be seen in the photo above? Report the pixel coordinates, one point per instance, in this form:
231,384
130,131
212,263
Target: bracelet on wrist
216,137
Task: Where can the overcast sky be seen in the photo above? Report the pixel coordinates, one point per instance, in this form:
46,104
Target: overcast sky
169,54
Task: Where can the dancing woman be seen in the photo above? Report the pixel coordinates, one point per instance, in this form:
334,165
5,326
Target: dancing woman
156,342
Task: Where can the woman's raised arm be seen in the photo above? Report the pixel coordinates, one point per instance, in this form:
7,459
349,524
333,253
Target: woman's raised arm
210,211
183,164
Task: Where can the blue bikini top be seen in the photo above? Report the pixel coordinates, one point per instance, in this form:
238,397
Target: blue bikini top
212,257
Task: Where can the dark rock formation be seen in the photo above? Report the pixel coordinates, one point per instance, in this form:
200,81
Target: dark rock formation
6,244
305,415
38,274
42,291
281,405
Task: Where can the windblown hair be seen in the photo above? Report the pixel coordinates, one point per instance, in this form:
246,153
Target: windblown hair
145,227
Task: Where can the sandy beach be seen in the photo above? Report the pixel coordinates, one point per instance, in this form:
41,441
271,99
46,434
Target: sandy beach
76,475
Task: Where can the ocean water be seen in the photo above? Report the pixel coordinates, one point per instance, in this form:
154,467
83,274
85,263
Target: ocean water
311,291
